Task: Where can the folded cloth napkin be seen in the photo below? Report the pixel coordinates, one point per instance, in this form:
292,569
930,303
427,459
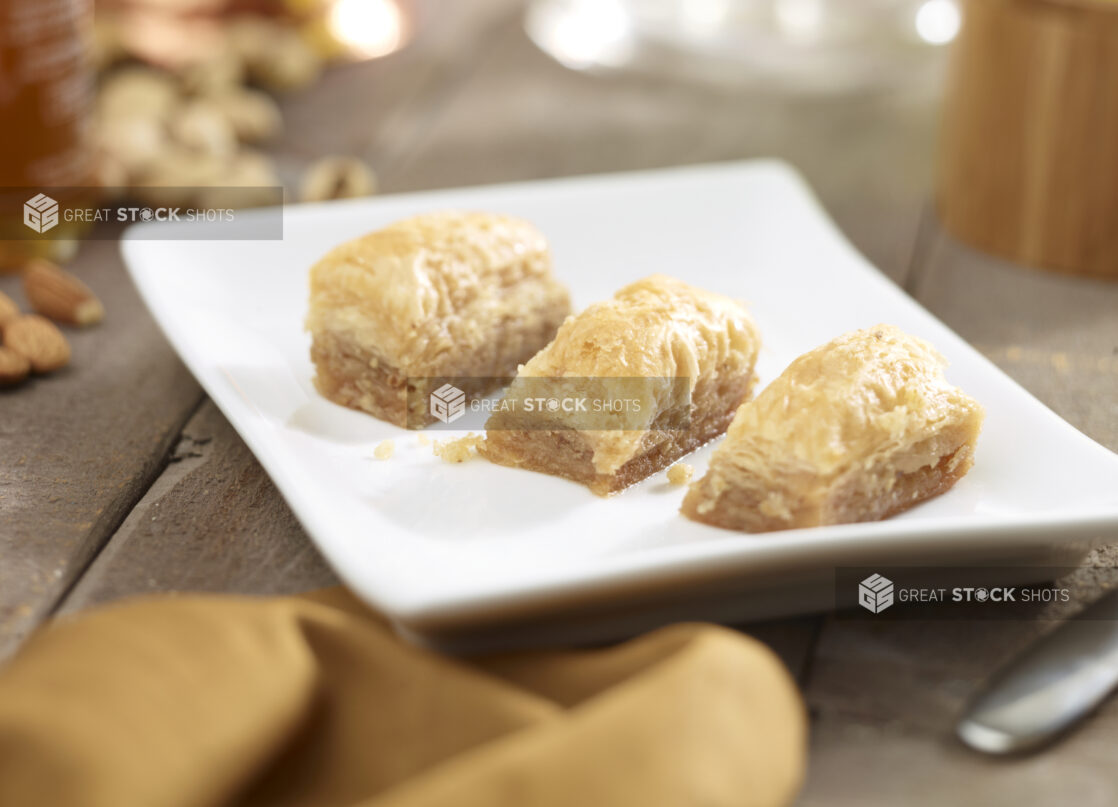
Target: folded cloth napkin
204,700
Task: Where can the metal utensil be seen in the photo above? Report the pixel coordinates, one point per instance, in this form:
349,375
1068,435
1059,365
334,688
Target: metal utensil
1050,687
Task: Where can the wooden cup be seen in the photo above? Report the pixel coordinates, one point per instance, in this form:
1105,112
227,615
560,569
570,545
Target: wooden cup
1028,165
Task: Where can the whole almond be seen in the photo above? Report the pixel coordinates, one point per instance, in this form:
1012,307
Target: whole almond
39,341
8,308
13,367
59,295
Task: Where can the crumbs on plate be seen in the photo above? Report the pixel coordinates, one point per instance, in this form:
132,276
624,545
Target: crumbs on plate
459,449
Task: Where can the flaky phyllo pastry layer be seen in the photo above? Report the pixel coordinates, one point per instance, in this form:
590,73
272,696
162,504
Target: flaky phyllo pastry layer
651,335
462,295
856,430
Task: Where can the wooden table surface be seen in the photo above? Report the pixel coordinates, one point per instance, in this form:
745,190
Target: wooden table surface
119,477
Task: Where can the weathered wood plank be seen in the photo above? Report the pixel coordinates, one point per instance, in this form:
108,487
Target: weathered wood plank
886,695
78,448
213,521
856,763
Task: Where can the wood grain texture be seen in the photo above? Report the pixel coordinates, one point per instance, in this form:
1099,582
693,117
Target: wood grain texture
78,448
213,521
857,763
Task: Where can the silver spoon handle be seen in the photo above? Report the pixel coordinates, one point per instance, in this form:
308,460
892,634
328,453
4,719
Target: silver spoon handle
1050,687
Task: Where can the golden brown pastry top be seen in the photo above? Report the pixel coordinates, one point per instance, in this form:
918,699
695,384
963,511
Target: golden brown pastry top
655,328
864,394
430,285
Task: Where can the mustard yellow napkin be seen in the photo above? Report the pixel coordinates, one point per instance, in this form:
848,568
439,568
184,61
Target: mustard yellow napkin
203,701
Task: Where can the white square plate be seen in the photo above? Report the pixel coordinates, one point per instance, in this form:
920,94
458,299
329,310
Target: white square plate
445,549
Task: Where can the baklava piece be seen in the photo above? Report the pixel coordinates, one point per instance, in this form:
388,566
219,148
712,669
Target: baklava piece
467,296
684,355
859,429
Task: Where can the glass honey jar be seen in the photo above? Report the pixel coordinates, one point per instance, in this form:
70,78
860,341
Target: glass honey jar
46,101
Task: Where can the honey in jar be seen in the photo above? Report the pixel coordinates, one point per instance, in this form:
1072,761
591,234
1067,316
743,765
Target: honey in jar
46,95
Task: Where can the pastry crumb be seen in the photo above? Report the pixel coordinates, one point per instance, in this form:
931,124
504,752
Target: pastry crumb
680,473
458,450
423,439
384,450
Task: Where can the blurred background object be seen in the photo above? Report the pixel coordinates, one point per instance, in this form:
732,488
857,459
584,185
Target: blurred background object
46,91
813,45
187,89
1028,163
179,33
